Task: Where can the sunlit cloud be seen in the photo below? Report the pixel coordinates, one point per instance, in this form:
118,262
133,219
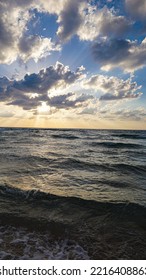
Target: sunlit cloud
125,54
14,41
33,91
102,54
113,87
102,23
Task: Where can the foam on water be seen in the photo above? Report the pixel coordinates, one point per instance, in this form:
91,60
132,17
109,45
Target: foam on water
37,225
21,244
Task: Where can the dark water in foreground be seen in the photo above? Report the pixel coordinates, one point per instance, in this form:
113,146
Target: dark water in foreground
72,194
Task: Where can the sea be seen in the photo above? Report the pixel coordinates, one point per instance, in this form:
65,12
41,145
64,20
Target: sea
72,194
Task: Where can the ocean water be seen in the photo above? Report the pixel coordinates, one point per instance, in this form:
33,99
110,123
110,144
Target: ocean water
65,177
102,165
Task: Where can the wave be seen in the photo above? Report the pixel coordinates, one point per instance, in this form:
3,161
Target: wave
64,136
37,195
79,228
130,136
130,168
72,163
117,145
42,211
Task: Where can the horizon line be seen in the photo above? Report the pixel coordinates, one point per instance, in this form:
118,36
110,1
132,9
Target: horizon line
71,128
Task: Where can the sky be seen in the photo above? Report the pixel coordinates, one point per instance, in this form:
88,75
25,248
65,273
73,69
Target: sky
73,64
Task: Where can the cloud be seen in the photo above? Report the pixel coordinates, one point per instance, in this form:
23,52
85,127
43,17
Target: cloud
88,111
35,47
74,18
51,6
126,54
120,95
65,101
6,114
70,100
70,20
136,8
129,114
136,114
86,21
34,89
17,3
24,101
14,40
102,22
53,76
12,24
113,112
113,87
89,22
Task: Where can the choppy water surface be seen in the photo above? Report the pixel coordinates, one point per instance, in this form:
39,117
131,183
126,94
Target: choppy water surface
102,165
72,194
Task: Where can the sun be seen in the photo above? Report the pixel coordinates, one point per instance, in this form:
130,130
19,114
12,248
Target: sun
43,109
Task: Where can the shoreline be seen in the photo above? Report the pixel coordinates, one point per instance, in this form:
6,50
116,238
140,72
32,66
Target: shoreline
101,230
